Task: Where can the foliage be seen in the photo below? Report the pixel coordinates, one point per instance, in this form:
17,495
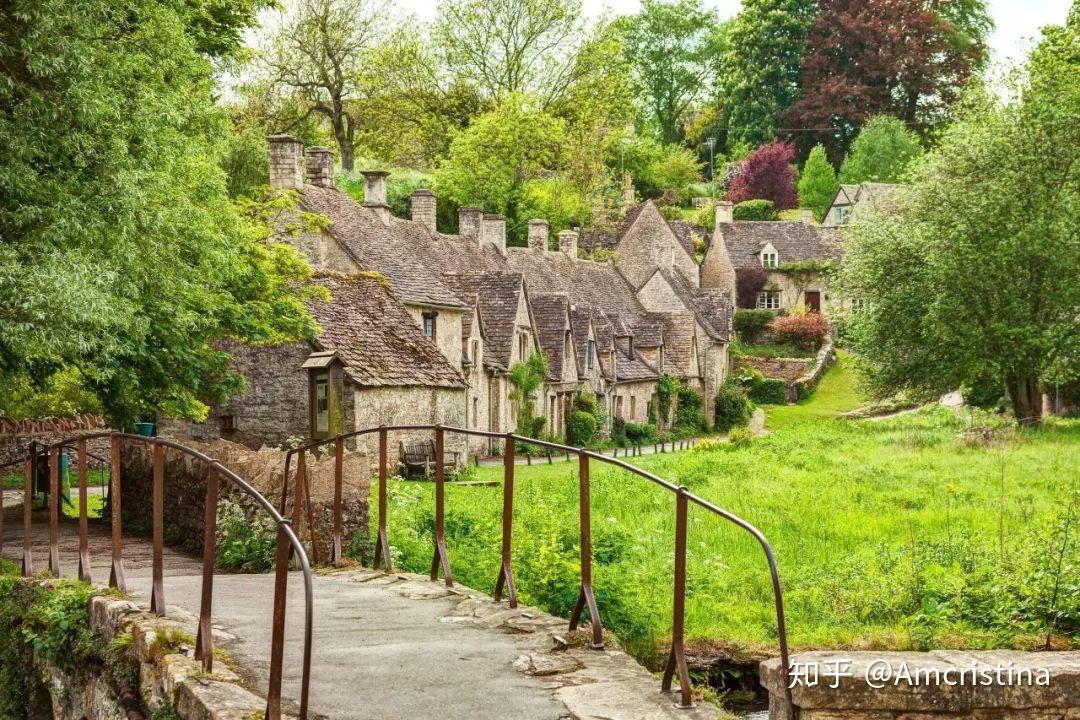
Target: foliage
667,388
526,378
770,391
817,184
618,431
961,285
762,63
807,330
654,167
869,58
62,394
750,322
580,429
749,281
488,164
769,350
637,434
689,412
740,436
245,159
754,210
881,152
733,407
244,544
767,174
673,49
123,258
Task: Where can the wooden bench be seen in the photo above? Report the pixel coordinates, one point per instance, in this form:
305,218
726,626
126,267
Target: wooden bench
418,457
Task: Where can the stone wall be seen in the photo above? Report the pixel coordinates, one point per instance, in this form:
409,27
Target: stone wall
806,382
185,490
17,435
789,369
944,684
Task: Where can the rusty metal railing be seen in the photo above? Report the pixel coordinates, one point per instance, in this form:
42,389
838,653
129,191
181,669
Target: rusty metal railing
676,663
287,543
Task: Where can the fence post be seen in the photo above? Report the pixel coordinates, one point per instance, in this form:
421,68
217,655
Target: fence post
440,557
677,660
157,593
277,630
28,499
506,571
339,462
585,595
382,544
204,642
54,511
116,574
84,539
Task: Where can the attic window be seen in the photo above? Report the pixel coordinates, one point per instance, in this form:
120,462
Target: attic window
590,354
429,325
842,213
770,259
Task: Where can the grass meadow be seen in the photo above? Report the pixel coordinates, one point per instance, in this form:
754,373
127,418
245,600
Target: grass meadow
889,533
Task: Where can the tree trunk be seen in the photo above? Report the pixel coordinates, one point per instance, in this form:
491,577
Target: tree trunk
341,135
1026,400
346,150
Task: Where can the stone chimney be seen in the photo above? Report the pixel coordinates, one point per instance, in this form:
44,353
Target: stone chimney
423,208
375,193
493,232
286,162
568,242
469,221
807,216
320,166
724,212
538,235
717,271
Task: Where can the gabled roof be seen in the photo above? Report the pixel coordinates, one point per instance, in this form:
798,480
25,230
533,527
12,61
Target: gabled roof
712,308
633,367
550,313
593,284
845,195
678,343
497,295
883,196
374,335
376,246
793,240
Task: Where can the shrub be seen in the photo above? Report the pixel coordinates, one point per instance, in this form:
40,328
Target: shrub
769,391
750,323
748,283
739,436
244,544
733,407
689,417
618,431
754,210
580,428
638,434
767,174
807,330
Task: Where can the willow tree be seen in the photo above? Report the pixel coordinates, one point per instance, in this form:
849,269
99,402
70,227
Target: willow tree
977,274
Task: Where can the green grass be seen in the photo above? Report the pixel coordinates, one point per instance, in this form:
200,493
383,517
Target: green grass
889,534
837,392
785,350
94,478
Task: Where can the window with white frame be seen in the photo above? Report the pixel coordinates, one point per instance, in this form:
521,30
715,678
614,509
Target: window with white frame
768,300
769,259
858,305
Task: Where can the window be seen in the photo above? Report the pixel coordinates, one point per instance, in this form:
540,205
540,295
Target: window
322,403
227,424
768,300
841,214
590,354
770,259
618,406
476,412
858,305
523,345
633,407
475,353
429,325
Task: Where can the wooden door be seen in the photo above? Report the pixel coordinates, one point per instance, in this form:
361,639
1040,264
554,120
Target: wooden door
813,300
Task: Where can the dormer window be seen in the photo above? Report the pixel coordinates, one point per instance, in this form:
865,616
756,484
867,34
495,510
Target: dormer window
590,354
429,325
769,258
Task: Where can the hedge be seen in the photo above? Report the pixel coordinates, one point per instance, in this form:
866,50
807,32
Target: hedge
733,407
769,391
754,210
748,323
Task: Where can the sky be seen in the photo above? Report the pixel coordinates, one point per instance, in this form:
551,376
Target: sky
1016,21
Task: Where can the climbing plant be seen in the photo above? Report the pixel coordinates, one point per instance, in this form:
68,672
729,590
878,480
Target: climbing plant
526,378
665,393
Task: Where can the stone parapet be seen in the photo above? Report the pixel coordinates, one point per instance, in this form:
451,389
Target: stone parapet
945,684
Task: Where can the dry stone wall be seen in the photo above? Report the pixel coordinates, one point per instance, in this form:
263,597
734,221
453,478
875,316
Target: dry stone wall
185,490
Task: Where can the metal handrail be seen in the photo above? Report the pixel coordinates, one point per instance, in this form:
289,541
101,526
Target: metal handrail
676,660
287,543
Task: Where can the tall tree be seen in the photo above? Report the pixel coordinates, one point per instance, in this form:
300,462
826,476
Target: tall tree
870,57
978,273
674,49
767,174
123,259
881,152
321,53
817,184
766,44
505,47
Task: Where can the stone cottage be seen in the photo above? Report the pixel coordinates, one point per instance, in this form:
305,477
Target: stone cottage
849,198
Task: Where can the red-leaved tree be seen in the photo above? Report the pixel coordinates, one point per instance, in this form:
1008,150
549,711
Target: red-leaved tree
767,174
906,58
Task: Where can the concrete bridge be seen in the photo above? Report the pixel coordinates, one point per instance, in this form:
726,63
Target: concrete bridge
365,643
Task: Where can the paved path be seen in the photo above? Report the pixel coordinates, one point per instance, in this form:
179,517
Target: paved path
389,647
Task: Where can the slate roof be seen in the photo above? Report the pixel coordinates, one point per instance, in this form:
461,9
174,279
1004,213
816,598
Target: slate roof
793,240
380,247
883,196
374,335
678,343
845,195
497,295
549,313
712,308
631,368
685,231
593,284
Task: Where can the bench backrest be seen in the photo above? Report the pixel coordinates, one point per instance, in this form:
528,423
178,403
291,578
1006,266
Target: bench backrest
418,451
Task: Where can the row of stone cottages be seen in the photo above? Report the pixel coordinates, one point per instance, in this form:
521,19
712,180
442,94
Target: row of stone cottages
423,327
